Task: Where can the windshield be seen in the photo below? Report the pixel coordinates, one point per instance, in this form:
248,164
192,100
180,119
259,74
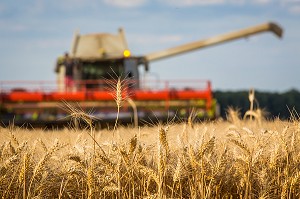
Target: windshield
102,70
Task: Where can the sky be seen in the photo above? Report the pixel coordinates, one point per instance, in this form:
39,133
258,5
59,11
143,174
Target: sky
33,33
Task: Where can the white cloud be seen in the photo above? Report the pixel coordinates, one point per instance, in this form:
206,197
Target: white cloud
75,4
237,1
217,2
125,3
295,9
293,6
290,1
194,2
262,2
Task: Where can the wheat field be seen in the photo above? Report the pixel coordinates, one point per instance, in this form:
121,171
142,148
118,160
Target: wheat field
236,158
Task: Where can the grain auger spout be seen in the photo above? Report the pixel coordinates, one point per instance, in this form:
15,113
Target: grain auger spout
244,33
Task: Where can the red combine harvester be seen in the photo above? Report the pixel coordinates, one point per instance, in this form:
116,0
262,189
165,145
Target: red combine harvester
85,77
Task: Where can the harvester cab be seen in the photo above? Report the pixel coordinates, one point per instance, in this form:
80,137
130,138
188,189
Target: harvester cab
96,59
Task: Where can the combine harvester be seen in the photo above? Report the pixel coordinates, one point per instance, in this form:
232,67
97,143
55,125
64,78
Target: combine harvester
98,60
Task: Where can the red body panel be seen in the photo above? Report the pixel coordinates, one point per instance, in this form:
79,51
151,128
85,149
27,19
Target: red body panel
185,95
150,95
200,90
100,95
16,96
67,96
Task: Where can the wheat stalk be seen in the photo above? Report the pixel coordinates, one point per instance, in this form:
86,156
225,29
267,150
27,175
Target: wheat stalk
163,140
41,164
133,144
233,116
14,139
90,181
251,99
42,144
242,146
106,160
118,96
206,147
178,169
118,88
78,113
23,172
135,113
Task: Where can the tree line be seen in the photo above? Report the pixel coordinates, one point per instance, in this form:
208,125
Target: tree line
276,105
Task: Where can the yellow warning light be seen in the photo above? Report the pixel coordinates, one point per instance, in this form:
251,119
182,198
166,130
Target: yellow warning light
101,51
126,53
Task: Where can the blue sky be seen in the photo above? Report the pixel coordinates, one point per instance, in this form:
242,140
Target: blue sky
34,32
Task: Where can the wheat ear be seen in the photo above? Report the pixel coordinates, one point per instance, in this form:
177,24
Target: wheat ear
163,139
118,99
